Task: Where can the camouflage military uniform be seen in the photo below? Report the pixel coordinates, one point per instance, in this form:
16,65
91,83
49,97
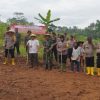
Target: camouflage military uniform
47,54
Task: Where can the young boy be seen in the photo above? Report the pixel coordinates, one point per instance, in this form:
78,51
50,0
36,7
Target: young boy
33,46
98,59
75,57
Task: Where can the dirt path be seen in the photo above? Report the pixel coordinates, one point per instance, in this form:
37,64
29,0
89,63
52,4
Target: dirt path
21,83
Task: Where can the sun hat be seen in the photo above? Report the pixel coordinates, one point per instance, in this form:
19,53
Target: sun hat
33,35
11,31
47,34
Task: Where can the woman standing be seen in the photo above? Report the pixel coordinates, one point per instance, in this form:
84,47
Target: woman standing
10,40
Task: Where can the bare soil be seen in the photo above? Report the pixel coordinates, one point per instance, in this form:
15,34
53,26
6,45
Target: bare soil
22,83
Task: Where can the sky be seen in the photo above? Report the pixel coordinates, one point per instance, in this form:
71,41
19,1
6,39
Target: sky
78,13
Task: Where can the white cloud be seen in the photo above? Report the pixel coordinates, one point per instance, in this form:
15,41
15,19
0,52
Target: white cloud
72,12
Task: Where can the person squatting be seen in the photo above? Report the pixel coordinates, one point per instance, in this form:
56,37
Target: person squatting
58,48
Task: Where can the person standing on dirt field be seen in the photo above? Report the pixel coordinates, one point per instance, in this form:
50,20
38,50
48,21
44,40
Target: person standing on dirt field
89,49
18,41
8,28
75,57
80,46
47,55
98,58
54,41
10,40
33,46
62,52
70,46
27,38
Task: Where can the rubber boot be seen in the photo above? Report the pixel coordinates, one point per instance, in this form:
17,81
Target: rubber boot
98,71
5,61
13,61
88,70
92,70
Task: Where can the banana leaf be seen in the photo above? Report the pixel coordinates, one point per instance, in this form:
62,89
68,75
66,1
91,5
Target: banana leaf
42,18
54,20
48,16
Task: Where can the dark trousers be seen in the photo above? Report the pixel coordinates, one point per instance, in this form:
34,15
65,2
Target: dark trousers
47,60
98,60
70,53
89,61
77,63
62,59
33,59
54,51
9,51
16,46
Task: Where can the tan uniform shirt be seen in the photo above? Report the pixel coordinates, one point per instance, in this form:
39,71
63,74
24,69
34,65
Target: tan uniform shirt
88,49
98,48
62,47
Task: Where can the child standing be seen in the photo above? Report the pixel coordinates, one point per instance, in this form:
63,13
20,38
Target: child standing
75,57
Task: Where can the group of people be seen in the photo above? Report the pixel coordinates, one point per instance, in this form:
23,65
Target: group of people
81,55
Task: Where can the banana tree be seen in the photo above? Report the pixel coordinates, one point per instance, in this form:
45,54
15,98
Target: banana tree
47,21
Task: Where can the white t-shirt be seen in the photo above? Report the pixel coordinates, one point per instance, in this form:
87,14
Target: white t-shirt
33,46
76,54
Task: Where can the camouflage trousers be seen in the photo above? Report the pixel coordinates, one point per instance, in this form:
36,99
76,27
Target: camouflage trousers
47,57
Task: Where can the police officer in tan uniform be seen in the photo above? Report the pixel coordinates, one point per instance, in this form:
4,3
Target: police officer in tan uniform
89,55
98,58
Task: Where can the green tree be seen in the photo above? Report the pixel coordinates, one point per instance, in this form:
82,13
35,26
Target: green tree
18,19
47,21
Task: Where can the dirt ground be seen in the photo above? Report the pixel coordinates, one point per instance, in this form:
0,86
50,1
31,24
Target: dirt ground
22,83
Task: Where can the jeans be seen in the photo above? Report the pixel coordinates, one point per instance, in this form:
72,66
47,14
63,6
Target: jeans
77,63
